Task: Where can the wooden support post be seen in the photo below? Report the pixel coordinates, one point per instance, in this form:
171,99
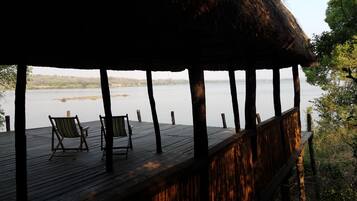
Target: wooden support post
285,186
224,120
20,134
200,138
198,97
139,115
232,82
153,112
173,118
276,92
296,86
312,157
68,113
299,161
259,120
297,91
108,119
300,175
7,123
250,109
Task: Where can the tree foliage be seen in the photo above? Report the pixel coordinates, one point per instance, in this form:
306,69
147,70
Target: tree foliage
336,74
7,81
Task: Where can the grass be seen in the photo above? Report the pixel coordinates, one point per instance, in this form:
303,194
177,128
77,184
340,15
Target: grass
336,166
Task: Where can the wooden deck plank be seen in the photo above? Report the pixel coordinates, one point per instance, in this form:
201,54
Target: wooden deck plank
81,175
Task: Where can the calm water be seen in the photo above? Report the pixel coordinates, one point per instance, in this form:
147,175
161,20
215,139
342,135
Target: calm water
41,103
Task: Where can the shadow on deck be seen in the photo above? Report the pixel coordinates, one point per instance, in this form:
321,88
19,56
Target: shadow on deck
82,176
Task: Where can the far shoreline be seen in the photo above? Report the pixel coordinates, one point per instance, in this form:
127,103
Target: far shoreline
53,82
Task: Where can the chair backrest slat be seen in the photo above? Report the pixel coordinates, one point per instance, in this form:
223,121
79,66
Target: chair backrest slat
67,127
118,126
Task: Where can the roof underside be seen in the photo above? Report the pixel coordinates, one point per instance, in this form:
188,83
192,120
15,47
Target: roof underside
167,35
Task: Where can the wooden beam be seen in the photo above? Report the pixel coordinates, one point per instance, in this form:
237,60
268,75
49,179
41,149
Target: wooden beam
300,160
250,109
200,138
108,119
276,92
224,123
296,86
198,97
173,118
139,115
232,82
7,123
300,175
285,185
153,112
20,134
312,156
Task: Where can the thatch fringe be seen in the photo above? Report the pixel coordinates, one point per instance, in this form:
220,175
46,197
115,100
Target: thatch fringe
159,35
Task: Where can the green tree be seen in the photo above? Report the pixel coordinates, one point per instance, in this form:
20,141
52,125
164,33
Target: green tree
336,74
7,81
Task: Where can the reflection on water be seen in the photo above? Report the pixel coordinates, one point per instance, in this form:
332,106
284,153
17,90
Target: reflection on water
41,103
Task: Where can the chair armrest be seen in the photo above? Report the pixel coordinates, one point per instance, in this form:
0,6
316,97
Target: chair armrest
85,129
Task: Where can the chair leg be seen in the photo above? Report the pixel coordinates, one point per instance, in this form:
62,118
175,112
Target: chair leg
81,144
85,143
103,154
54,151
61,144
130,143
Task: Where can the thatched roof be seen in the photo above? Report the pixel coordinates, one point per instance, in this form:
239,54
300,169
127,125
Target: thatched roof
157,35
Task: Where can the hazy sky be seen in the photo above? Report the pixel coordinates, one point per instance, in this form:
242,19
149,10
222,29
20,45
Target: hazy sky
309,13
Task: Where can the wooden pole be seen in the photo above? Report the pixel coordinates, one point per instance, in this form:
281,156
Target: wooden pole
300,175
296,79
153,112
300,160
108,119
232,82
285,186
20,134
7,123
139,115
173,118
224,120
250,109
68,113
296,86
276,92
200,138
312,156
198,97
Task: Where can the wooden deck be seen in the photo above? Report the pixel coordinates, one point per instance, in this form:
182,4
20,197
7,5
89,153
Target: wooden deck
82,176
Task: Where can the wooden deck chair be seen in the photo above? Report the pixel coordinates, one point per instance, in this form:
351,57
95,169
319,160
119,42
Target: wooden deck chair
120,130
66,127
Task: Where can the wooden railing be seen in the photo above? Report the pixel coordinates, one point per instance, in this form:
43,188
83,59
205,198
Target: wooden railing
233,172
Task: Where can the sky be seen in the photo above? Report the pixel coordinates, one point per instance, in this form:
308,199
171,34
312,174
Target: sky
310,14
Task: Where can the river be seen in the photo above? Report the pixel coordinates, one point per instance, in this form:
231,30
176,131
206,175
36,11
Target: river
87,103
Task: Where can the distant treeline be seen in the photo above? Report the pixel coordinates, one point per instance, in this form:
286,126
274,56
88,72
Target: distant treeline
70,82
